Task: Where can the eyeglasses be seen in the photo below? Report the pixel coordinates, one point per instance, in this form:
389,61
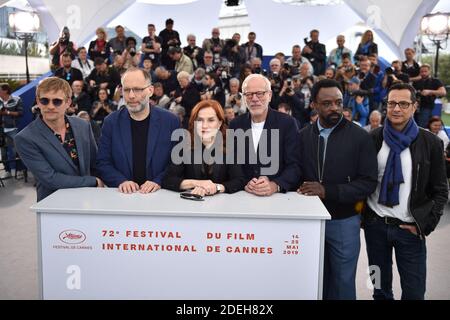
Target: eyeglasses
259,94
328,104
56,102
135,90
402,104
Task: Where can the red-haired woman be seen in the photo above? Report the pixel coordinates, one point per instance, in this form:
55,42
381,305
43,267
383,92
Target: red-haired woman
202,175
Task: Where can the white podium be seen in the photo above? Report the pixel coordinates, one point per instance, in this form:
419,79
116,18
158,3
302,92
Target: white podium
100,244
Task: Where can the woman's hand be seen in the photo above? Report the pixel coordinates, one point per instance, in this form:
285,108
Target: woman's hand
199,191
207,185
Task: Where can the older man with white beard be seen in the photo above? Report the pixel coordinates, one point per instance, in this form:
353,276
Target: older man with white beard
135,144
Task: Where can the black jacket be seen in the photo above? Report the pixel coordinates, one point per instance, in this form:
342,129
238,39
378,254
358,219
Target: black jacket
350,166
318,57
288,166
429,192
230,175
73,75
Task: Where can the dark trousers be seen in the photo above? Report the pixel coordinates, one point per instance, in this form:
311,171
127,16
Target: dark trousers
410,253
342,244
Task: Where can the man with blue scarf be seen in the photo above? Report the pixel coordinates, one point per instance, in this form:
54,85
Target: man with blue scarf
409,199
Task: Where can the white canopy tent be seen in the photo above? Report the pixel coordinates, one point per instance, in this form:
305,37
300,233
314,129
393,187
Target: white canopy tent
278,25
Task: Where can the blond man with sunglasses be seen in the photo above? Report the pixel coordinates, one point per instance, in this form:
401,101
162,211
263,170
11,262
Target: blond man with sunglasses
59,150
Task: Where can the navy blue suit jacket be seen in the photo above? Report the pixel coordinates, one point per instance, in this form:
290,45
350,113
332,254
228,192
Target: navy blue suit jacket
288,173
115,152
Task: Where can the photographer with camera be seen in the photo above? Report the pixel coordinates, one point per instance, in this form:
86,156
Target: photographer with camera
82,63
159,98
131,56
169,38
346,70
214,44
410,65
368,79
296,60
316,53
102,77
168,79
230,59
58,48
67,72
336,55
151,46
428,89
251,49
99,48
11,110
276,79
295,99
214,89
394,74
255,64
198,79
182,62
186,96
80,99
233,98
194,52
208,62
357,101
118,43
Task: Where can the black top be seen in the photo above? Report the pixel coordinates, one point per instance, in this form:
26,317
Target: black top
149,43
430,83
139,139
70,76
281,149
412,71
230,176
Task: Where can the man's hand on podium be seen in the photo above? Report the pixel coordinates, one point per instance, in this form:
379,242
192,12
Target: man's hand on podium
100,183
312,189
262,187
128,187
149,186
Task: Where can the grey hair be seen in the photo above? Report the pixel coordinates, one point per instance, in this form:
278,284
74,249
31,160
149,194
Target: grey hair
190,35
254,76
183,74
275,60
146,75
376,112
235,80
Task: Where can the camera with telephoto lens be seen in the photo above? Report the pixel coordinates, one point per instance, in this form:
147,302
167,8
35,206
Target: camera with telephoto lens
132,52
359,93
389,71
149,44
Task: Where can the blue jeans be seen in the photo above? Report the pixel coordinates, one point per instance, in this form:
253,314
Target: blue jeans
423,116
410,253
342,244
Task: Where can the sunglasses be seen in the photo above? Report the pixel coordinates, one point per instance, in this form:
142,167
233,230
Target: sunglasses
56,102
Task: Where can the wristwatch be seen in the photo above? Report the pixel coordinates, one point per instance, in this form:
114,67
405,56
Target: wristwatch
218,188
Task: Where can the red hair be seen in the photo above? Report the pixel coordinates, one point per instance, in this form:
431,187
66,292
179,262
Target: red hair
219,113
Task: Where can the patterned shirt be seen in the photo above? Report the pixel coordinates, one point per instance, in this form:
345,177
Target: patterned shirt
69,143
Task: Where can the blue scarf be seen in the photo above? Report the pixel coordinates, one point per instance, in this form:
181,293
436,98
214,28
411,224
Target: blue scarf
365,47
393,175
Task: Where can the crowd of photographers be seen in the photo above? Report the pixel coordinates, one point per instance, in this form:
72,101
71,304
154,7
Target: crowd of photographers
216,68
184,75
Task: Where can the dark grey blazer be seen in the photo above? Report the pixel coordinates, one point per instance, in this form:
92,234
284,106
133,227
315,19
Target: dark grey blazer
45,157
